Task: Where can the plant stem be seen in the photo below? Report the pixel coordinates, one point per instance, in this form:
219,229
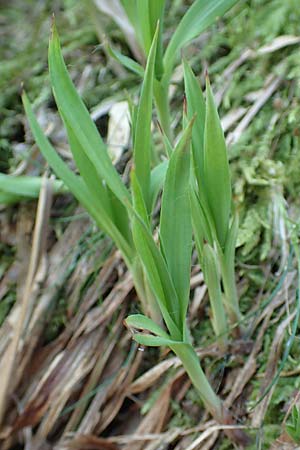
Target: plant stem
231,300
145,295
191,363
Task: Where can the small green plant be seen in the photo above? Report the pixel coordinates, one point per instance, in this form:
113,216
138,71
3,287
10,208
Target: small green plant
160,270
293,427
144,16
215,223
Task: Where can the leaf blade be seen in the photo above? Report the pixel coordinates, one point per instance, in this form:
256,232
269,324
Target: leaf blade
175,220
198,17
217,182
78,118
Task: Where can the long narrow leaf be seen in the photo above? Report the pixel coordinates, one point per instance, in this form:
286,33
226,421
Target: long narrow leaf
143,16
200,15
114,209
158,175
141,322
155,269
195,105
156,14
175,220
76,185
26,186
142,137
216,169
212,279
78,118
127,62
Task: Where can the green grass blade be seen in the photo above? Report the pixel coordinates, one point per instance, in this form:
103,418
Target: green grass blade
114,209
158,175
156,14
152,341
87,170
143,17
217,183
141,322
201,227
195,105
155,268
127,62
211,273
200,15
142,138
138,199
75,113
175,220
23,186
77,186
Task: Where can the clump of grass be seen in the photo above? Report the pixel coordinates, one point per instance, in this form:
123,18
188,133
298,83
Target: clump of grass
144,17
161,271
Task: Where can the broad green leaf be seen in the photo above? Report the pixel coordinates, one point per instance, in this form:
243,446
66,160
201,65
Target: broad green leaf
76,115
212,279
127,62
142,138
175,220
195,105
217,184
200,15
141,322
158,175
157,274
77,186
23,186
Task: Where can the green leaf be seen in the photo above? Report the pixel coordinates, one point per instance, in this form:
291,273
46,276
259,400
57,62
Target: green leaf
156,271
158,175
78,119
195,105
22,187
152,341
201,225
127,62
114,209
231,241
143,16
217,184
156,14
141,322
200,15
77,186
212,279
142,138
175,220
138,199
